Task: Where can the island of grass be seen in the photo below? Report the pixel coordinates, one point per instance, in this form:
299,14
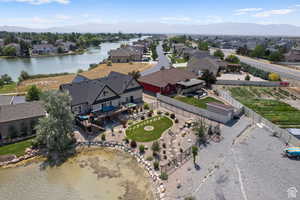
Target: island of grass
201,103
157,126
17,149
278,112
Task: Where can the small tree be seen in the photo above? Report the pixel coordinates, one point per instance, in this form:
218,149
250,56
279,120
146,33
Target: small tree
219,53
210,131
146,106
142,149
247,77
155,147
33,93
156,165
209,78
233,59
135,74
133,144
195,153
109,63
200,130
103,137
163,176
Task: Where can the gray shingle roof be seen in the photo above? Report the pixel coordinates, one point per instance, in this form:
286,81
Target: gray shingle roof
5,100
21,111
197,64
87,91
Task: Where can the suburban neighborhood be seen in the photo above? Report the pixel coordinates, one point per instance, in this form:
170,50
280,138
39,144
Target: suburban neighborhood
152,115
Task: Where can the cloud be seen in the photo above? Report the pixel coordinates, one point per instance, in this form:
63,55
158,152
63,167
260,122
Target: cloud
175,19
244,11
270,13
62,17
38,2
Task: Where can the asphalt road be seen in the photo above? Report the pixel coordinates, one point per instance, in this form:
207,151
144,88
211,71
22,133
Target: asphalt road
163,61
284,72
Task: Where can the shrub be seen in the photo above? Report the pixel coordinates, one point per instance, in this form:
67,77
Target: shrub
164,145
176,121
146,106
126,140
156,165
163,176
190,198
155,147
159,112
167,113
247,77
142,148
165,157
149,158
142,117
274,77
133,144
109,63
150,113
172,116
103,138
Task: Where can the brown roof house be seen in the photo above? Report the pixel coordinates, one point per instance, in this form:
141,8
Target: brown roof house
17,120
165,81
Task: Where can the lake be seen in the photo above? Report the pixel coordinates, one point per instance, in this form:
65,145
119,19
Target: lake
97,174
59,64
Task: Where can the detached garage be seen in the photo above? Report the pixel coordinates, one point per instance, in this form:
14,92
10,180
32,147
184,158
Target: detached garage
165,81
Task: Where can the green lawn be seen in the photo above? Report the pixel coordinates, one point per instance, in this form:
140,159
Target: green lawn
276,111
201,103
17,149
138,133
10,88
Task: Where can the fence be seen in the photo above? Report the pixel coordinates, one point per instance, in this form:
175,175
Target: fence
175,105
251,83
283,134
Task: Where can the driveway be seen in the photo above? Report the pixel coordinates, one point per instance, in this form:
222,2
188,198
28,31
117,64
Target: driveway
163,61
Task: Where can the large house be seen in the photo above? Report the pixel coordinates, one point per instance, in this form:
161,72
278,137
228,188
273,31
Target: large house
293,55
126,54
19,119
200,64
41,49
170,81
104,94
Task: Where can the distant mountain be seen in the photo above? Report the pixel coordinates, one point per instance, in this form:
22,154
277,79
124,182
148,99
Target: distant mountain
153,27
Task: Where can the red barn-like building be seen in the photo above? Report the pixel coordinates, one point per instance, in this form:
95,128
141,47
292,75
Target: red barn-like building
164,81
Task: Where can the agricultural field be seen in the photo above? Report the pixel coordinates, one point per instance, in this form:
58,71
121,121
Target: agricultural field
268,102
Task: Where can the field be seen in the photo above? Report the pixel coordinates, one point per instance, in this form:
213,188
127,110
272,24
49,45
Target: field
138,133
201,103
53,83
266,102
17,149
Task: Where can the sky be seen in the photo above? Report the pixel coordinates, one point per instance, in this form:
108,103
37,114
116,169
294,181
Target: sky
53,13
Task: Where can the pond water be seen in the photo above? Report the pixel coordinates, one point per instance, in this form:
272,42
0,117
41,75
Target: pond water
59,64
96,175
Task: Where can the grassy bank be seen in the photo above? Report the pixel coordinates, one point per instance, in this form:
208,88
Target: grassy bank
17,149
10,88
201,103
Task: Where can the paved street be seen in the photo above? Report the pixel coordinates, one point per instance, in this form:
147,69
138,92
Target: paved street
252,168
284,72
163,61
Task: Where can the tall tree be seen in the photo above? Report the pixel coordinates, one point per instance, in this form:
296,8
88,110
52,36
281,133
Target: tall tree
135,74
55,132
219,53
208,77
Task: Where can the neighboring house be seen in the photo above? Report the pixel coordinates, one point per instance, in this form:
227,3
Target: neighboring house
41,49
19,119
67,46
198,65
126,54
293,55
165,81
178,47
104,94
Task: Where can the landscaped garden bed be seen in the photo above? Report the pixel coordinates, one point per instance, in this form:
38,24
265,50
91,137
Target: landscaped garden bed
149,130
265,101
201,103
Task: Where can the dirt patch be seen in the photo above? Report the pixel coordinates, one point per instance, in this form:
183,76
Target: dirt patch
53,83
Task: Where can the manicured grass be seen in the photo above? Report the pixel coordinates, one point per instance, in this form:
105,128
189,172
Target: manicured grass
17,149
138,133
276,111
201,103
10,88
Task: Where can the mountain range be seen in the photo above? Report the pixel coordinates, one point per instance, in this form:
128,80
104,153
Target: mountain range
154,27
